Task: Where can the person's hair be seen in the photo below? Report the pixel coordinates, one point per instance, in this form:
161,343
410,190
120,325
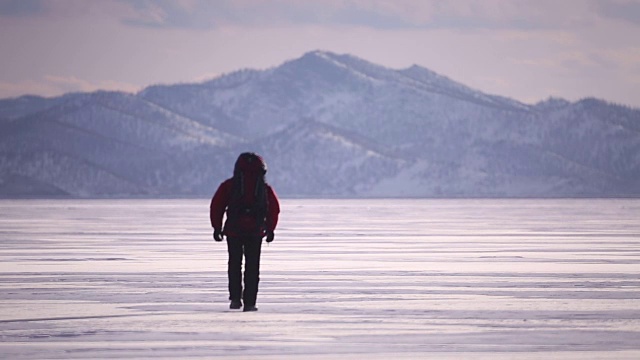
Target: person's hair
250,162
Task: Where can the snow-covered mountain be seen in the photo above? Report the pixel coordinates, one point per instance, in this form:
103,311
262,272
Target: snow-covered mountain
328,125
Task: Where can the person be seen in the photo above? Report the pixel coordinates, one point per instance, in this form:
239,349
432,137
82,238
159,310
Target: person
252,211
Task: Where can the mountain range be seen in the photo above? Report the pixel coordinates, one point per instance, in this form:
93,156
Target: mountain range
328,125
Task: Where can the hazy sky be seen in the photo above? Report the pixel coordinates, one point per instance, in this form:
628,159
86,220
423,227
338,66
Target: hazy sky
525,49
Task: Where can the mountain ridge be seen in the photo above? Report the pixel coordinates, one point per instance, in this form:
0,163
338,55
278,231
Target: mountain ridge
328,125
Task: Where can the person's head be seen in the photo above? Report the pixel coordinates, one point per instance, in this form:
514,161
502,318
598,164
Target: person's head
250,163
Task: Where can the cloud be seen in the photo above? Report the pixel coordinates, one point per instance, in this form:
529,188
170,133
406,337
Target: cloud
623,10
189,14
377,14
21,8
629,57
52,85
574,61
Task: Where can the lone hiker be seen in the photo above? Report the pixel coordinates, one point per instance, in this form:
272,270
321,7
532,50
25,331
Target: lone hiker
252,210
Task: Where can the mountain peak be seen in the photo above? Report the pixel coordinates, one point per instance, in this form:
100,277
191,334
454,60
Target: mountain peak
317,57
320,54
552,103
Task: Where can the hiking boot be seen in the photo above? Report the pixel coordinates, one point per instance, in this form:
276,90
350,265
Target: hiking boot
250,308
235,304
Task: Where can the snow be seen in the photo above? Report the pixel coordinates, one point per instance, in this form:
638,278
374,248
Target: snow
407,182
348,279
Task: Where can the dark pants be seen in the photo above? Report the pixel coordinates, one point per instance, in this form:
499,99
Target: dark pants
249,247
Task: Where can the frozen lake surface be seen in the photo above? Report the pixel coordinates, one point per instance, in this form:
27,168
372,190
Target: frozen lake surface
348,279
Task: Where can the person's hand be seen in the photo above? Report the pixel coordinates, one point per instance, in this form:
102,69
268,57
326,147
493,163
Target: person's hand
270,236
217,235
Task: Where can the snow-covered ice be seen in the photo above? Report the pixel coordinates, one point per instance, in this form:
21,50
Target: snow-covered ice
348,279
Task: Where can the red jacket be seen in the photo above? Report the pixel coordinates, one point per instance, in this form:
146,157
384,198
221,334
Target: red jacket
220,202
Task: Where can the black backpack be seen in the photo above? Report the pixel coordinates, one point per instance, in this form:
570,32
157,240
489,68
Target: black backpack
247,209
